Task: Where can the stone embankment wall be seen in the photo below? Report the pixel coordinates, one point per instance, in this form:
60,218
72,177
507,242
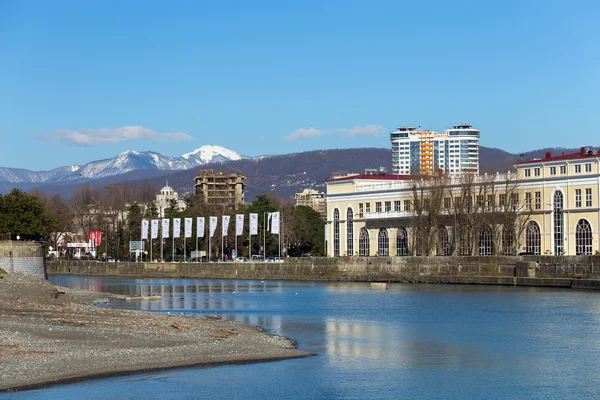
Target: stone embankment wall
396,269
580,271
578,267
24,257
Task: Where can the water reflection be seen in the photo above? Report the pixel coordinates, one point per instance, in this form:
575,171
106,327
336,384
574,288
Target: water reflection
416,341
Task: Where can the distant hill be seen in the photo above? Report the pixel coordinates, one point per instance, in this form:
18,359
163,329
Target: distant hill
282,175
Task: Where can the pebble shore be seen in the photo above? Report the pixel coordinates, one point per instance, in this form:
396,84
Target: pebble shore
53,335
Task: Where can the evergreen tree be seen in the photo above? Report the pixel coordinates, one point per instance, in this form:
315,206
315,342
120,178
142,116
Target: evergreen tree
24,215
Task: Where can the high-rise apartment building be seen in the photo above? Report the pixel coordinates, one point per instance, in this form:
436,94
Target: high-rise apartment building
416,151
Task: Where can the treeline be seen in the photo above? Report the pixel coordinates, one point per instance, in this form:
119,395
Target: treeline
117,210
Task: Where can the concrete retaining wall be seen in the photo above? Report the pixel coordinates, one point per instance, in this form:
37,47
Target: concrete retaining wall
23,257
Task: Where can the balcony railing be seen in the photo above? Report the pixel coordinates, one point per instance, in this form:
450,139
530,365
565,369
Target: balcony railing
390,214
451,181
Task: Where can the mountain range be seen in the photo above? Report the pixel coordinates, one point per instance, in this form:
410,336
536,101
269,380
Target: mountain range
281,175
121,164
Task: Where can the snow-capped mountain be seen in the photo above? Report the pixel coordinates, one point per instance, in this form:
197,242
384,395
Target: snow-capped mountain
211,154
122,163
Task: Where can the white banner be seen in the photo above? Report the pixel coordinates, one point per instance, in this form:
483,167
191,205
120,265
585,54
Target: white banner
188,228
239,224
269,221
225,225
200,227
154,230
144,229
176,227
275,223
165,227
213,225
253,224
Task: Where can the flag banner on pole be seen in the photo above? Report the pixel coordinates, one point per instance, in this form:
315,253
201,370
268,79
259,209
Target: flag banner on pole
225,225
165,227
176,227
188,227
154,230
269,221
239,224
144,229
275,223
213,225
200,227
253,224
95,238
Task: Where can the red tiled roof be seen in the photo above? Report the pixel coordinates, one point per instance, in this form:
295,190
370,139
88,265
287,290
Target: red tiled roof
583,153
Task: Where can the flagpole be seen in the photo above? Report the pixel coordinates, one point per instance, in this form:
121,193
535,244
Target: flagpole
264,236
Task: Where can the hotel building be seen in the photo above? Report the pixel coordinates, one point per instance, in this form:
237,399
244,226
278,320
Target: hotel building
424,152
547,206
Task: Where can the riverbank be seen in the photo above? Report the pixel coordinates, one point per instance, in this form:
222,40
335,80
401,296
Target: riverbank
578,272
53,335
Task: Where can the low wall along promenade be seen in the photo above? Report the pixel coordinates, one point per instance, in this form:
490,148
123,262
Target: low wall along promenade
24,257
575,271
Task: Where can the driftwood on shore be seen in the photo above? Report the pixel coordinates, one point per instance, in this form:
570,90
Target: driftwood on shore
51,336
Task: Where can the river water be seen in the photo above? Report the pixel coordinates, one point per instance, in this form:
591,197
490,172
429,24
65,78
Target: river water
411,341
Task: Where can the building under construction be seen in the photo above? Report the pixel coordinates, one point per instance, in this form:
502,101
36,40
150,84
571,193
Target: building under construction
223,189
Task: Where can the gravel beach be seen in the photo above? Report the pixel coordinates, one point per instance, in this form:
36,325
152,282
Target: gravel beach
53,335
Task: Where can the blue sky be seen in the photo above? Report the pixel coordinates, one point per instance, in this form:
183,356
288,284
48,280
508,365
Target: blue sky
82,81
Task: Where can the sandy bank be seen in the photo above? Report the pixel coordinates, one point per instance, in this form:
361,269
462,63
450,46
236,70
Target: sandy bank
52,335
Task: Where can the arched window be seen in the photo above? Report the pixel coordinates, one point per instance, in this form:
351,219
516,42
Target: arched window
464,241
336,232
363,242
350,231
532,238
402,242
383,242
508,241
486,244
559,224
583,238
443,247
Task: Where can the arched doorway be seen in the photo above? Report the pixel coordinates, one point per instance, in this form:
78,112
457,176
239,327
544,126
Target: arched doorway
336,233
559,223
383,242
583,238
350,231
443,246
402,242
486,242
533,240
363,242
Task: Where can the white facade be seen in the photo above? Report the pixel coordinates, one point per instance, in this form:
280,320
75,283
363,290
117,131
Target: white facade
417,152
164,198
